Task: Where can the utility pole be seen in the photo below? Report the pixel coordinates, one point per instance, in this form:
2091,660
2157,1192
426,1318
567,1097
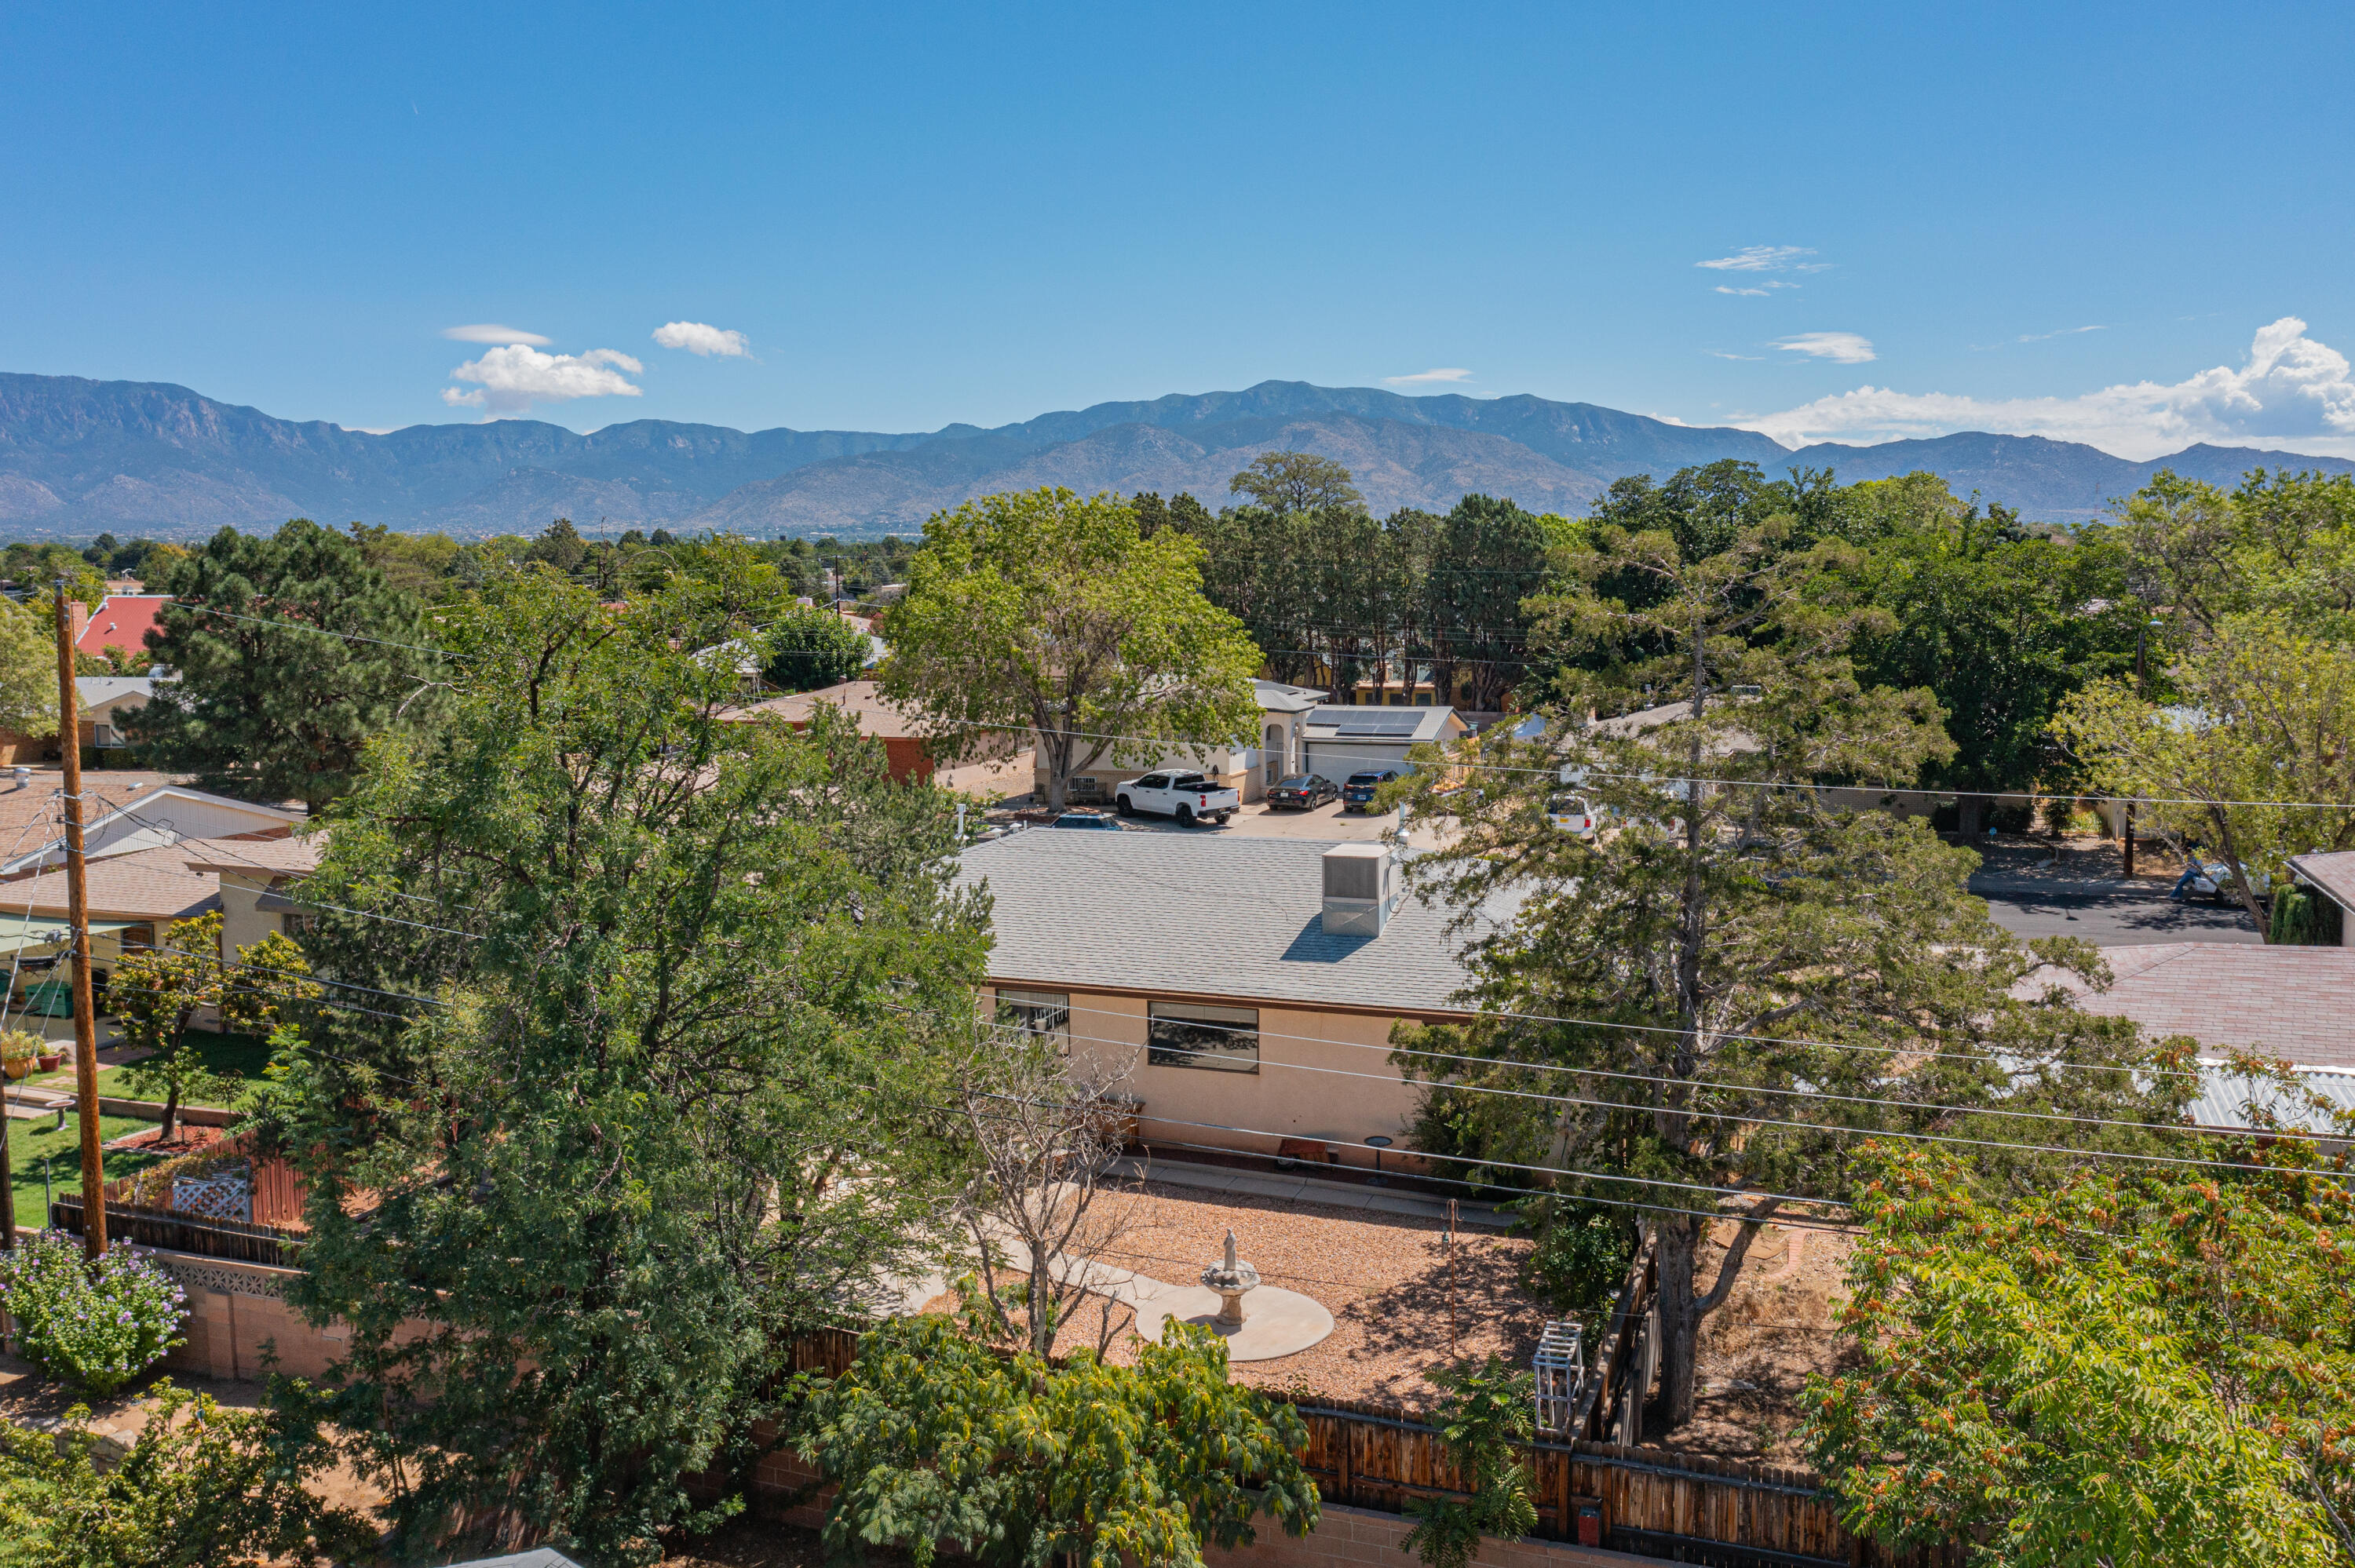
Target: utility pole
93,1163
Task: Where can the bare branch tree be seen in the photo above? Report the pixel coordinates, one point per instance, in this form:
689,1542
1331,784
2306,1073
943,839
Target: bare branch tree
1046,1129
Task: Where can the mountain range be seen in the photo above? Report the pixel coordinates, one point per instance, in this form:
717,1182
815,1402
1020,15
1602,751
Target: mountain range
80,457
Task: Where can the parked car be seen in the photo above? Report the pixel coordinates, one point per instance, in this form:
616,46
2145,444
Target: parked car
2214,882
1302,791
1357,794
1189,797
1086,819
1571,814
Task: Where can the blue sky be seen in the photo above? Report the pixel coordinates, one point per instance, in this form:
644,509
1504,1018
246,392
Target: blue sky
919,215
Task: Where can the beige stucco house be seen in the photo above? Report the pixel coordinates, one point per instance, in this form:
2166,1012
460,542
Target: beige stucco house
1244,989
1276,748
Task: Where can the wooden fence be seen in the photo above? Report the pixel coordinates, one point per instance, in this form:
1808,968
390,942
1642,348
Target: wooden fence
1650,1501
174,1232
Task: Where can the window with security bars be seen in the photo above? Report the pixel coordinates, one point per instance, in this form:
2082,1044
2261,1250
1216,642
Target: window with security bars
1220,1039
1046,1013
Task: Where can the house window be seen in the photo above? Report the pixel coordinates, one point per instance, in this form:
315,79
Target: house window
1040,1012
1223,1039
104,735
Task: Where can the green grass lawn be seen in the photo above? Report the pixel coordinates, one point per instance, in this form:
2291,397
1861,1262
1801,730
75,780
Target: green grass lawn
241,1057
28,1140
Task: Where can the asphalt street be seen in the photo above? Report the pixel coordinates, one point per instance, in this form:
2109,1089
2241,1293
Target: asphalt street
2033,892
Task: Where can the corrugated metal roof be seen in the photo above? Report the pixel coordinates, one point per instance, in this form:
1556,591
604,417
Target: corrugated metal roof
1203,914
2226,1098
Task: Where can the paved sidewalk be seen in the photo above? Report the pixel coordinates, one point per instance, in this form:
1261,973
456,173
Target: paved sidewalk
1286,1187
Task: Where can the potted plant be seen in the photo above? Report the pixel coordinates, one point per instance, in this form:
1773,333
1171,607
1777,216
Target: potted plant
19,1048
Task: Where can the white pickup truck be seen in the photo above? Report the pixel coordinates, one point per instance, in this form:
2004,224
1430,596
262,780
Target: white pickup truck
1189,797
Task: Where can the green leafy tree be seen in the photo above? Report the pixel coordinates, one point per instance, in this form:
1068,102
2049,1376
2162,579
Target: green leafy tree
2266,715
2001,626
1044,611
812,647
936,1439
28,671
667,1099
561,545
2133,1369
1485,1418
292,652
1297,481
200,1487
1710,949
156,994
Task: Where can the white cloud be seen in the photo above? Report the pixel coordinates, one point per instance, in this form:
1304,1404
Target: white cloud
1717,353
515,377
1839,347
2064,332
491,332
2293,393
1764,258
1426,378
696,338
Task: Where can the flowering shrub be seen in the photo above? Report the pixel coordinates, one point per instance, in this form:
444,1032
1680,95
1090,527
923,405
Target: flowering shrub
95,1328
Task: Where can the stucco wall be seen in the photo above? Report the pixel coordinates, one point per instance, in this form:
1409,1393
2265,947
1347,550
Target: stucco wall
242,924
1279,1100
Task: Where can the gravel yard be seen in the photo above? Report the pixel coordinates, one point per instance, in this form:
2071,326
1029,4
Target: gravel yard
1385,1278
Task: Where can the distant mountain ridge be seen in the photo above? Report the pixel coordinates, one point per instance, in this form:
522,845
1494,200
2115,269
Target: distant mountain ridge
78,457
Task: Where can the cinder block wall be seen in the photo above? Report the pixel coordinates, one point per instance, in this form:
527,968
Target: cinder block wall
237,1308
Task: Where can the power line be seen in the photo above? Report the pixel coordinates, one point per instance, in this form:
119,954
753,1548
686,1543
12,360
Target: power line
1732,1116
1987,1060
1748,1120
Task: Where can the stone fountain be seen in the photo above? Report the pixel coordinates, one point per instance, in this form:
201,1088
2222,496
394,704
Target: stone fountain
1233,1279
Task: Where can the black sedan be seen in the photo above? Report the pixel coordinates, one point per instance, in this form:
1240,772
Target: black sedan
1302,791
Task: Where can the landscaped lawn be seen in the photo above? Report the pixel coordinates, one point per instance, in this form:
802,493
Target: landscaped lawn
28,1140
241,1057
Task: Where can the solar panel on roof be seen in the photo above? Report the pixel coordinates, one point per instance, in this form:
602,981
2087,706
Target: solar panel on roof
1381,722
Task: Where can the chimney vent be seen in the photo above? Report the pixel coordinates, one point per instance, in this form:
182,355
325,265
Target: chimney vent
23,776
1361,888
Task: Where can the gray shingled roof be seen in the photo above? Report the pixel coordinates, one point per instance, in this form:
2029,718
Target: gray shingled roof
1203,914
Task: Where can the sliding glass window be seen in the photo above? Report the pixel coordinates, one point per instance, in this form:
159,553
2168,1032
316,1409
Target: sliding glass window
1221,1039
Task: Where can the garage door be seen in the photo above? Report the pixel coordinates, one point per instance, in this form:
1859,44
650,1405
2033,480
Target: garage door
1338,762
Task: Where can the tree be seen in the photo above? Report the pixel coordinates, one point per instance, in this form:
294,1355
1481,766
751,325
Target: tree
200,1487
2001,626
935,1439
2265,715
561,545
1042,1130
660,1092
293,654
158,993
2135,1369
812,647
1043,612
1490,557
1694,979
28,671
1296,481
1485,1418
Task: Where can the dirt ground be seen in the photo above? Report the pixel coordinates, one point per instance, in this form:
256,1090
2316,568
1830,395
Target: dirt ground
25,1396
1757,1350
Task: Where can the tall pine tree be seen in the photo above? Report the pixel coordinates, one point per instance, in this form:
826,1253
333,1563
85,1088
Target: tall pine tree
291,652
